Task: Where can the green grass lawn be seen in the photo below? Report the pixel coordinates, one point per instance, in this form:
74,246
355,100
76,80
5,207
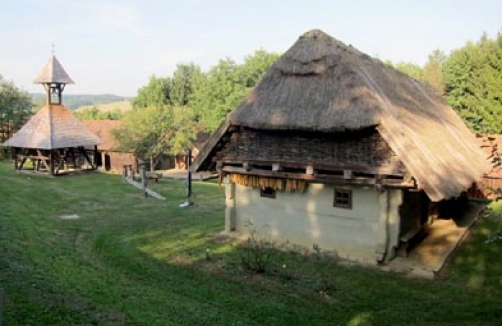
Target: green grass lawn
130,260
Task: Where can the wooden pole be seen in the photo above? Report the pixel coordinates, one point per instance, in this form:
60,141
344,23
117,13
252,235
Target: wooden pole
189,186
143,178
131,169
188,202
51,168
14,156
95,158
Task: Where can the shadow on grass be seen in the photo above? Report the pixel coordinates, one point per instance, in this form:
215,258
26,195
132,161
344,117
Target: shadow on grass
477,263
213,287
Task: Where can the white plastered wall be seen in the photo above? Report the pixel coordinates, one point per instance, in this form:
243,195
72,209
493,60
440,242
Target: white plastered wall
367,233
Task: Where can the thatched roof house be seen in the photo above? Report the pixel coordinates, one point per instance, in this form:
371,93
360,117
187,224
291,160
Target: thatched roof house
322,85
326,116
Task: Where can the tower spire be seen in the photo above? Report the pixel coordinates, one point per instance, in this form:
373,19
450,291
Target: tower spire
54,78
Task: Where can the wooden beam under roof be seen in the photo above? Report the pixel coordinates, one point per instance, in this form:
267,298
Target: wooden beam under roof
339,179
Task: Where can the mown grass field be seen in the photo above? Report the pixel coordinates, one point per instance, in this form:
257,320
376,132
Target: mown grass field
134,261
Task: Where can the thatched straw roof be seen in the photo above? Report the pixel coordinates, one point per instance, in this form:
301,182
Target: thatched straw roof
53,72
54,126
322,85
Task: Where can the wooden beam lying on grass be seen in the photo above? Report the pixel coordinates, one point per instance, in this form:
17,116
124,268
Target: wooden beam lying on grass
147,190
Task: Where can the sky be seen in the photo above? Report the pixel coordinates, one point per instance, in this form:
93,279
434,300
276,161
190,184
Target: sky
114,46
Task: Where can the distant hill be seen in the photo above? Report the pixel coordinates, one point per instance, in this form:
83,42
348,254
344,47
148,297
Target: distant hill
121,106
103,111
76,101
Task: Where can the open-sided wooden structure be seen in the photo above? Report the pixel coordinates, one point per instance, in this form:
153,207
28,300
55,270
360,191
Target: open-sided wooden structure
335,149
53,139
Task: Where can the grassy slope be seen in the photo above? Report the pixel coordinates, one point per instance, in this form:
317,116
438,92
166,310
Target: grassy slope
136,261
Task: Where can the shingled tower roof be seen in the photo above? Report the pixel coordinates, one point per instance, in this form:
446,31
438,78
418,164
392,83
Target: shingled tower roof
53,72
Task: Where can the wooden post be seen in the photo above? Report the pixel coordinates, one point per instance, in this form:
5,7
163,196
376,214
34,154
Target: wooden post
230,210
14,154
347,174
131,169
188,202
144,179
95,158
51,167
219,165
189,167
66,168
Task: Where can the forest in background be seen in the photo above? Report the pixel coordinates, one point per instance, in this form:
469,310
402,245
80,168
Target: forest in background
169,111
470,80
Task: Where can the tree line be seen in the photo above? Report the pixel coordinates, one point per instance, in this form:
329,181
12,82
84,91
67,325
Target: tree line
168,112
470,80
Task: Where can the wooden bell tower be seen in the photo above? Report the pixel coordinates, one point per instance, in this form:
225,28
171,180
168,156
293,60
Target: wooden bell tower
54,79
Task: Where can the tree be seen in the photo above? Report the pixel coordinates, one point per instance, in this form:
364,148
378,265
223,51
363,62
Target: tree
183,131
155,130
142,131
473,83
226,84
183,83
433,71
15,104
155,93
218,93
411,70
255,66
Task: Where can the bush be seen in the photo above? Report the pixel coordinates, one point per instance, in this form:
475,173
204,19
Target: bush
256,256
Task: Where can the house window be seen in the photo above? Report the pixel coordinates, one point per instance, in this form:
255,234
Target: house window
267,192
342,198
